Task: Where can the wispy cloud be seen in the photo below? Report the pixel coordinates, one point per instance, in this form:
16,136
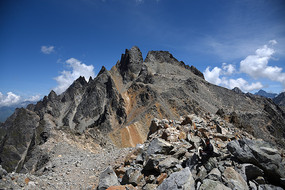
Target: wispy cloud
255,66
47,49
9,99
67,77
34,98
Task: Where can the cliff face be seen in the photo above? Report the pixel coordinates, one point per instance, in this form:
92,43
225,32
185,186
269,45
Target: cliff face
118,105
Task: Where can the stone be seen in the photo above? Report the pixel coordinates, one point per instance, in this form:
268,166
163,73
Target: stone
167,163
180,153
252,185
192,161
132,176
159,146
182,135
221,136
150,179
161,177
154,126
149,186
178,180
211,164
219,129
251,171
202,173
269,187
120,172
261,154
151,164
187,120
209,184
107,179
214,174
235,179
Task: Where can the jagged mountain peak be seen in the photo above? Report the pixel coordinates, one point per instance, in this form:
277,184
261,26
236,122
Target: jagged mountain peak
237,90
130,64
160,56
266,94
117,106
52,95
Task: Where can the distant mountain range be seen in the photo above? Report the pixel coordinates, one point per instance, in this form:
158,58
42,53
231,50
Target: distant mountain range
278,99
266,94
6,111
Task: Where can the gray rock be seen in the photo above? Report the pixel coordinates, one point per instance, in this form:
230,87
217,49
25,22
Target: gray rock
202,173
211,164
167,163
251,171
235,179
214,174
149,186
192,161
269,187
132,176
260,154
178,180
159,146
107,178
152,162
209,184
252,185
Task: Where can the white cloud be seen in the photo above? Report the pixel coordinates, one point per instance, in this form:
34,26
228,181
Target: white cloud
215,76
47,49
242,84
9,99
228,69
272,42
33,98
67,77
257,66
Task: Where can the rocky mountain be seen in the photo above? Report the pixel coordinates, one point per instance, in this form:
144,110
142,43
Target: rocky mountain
116,108
266,94
280,99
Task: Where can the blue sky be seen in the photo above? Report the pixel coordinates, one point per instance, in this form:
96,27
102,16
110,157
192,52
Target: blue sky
46,44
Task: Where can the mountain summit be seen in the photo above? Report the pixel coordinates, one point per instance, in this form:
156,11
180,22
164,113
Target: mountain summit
266,94
116,108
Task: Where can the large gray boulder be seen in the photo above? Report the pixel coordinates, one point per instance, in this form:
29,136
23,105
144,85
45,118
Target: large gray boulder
178,180
159,146
132,176
107,179
261,154
235,179
251,171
